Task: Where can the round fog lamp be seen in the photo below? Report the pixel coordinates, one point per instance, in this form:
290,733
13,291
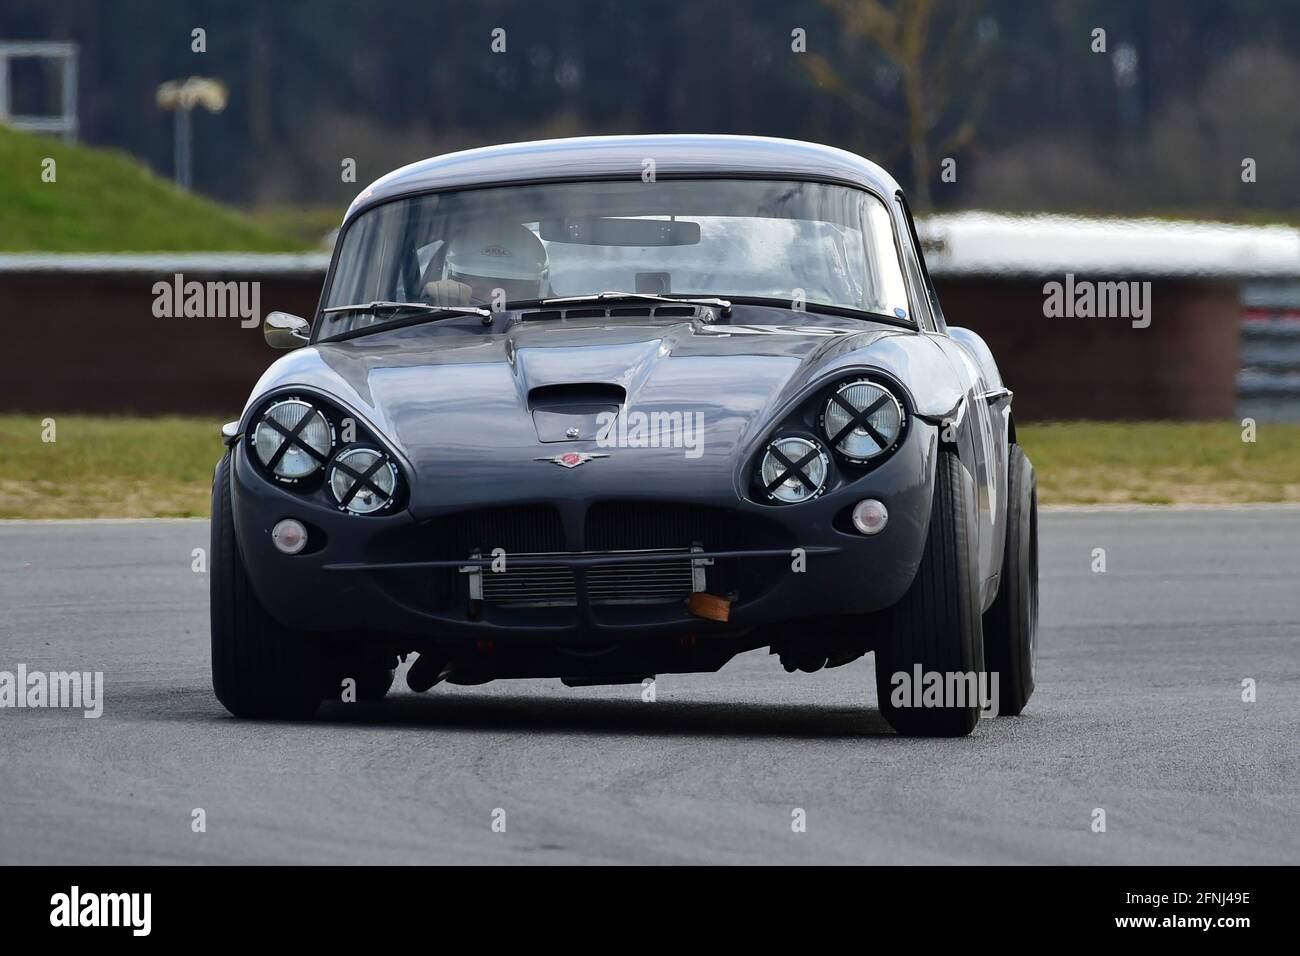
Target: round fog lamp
869,516
289,536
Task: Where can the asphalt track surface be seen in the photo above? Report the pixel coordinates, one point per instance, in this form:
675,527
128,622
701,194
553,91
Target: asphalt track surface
1138,711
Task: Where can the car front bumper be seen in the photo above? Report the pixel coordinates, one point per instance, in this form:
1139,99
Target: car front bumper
402,574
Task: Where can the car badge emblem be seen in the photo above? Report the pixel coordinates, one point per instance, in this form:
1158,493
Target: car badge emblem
572,459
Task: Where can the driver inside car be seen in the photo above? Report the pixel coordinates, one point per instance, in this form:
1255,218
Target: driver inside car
482,260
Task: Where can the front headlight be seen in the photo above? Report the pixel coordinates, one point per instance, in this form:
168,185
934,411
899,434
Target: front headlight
794,469
862,420
292,439
362,480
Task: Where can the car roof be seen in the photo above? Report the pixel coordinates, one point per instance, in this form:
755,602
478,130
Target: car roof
616,157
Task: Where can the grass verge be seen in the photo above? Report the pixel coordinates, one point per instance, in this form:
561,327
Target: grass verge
1163,462
101,467
60,197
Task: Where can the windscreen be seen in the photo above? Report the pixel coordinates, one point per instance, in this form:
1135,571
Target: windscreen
793,242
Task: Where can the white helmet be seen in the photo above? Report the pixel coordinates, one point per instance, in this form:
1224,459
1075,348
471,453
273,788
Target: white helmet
510,257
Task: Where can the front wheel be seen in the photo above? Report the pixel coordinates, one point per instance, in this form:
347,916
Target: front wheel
935,631
1011,623
259,667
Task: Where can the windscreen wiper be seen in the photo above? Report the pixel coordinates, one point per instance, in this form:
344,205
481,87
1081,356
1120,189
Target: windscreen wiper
434,311
722,304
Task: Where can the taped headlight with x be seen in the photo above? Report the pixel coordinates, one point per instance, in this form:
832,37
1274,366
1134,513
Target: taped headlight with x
793,469
362,480
293,439
862,420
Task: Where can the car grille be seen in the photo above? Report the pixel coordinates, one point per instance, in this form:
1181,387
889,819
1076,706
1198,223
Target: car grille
536,530
518,529
530,587
659,582
650,525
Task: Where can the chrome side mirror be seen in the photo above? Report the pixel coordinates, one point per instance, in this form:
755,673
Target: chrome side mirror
285,331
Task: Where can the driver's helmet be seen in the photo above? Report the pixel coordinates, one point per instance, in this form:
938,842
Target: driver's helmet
508,257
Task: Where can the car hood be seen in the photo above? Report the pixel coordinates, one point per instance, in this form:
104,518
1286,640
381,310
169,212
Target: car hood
459,401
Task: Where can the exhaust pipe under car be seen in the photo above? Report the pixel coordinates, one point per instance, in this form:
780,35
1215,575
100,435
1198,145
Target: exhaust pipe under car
429,669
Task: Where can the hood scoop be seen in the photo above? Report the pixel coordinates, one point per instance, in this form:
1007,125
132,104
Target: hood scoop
572,411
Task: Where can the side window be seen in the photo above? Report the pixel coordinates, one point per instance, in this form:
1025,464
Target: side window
935,309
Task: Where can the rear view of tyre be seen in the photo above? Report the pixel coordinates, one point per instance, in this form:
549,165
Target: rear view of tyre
1011,624
936,628
259,667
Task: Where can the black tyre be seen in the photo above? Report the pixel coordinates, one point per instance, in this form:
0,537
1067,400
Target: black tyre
375,682
374,677
937,623
259,667
1011,624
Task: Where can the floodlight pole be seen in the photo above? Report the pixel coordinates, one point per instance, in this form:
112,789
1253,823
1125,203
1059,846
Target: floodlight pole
70,97
182,151
181,96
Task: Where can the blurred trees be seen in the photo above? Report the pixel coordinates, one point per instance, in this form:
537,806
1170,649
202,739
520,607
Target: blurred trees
1011,88
934,54
1191,155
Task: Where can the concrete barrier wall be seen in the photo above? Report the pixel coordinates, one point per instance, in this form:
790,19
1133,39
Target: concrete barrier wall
87,341
1184,365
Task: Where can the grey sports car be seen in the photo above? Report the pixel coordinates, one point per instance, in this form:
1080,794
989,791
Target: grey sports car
606,408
